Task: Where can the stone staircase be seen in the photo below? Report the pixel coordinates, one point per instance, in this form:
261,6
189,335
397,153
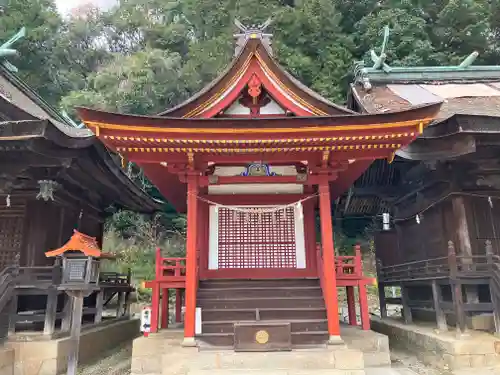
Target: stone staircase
295,301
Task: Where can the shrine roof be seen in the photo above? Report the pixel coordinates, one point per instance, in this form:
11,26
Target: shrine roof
78,242
464,89
253,50
198,126
36,137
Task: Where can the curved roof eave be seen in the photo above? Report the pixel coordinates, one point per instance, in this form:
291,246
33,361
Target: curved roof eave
251,45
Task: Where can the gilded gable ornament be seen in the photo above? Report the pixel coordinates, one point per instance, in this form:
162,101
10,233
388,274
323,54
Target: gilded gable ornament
258,169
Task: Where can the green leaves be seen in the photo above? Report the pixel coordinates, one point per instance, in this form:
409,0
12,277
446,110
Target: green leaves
146,55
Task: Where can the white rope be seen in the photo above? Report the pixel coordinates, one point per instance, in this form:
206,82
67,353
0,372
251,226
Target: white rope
259,210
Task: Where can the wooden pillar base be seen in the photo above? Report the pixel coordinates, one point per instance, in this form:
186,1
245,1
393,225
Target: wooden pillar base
189,342
335,340
407,315
437,298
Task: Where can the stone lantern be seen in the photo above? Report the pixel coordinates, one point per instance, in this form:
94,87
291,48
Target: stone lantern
80,277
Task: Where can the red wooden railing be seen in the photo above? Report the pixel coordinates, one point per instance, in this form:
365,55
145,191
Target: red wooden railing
349,274
166,268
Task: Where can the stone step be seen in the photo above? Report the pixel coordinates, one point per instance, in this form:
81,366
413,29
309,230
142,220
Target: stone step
296,326
260,292
269,302
298,338
280,314
238,283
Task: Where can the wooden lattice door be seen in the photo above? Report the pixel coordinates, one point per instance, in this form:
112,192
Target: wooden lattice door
11,233
256,240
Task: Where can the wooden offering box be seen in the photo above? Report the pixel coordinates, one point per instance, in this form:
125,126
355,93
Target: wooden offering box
262,337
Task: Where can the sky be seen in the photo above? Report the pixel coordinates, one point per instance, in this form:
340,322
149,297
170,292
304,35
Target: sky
65,6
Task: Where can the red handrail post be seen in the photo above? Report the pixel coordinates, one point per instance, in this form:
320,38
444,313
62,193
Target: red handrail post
164,309
363,298
158,264
358,262
178,305
351,305
155,306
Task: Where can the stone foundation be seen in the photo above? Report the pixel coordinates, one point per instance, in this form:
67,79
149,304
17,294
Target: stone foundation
49,357
6,361
162,354
441,349
375,346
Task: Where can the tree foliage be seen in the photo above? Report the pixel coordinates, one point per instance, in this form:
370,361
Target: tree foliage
143,56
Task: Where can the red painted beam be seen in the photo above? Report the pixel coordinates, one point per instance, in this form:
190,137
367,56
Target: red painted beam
228,180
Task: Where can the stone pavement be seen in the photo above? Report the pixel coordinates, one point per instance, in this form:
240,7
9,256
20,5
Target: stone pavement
368,371
388,371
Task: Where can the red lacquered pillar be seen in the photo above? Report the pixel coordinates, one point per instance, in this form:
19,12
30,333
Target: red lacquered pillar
191,258
330,281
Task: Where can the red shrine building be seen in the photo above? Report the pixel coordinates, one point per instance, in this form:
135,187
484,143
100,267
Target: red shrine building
252,159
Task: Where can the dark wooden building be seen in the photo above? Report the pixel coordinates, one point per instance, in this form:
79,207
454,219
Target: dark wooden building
441,192
54,177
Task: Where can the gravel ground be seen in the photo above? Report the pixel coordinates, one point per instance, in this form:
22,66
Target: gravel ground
117,362
404,360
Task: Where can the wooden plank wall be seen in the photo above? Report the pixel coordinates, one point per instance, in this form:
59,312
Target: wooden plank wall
30,227
11,228
484,223
412,241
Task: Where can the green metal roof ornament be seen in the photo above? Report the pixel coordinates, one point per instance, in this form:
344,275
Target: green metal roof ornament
7,51
379,60
381,72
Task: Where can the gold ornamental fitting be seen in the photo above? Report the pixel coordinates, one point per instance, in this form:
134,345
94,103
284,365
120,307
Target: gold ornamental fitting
262,337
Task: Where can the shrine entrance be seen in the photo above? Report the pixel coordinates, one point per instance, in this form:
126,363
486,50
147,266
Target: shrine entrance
252,159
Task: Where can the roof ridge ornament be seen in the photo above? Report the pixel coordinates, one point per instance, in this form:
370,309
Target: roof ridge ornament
6,51
381,72
379,60
253,31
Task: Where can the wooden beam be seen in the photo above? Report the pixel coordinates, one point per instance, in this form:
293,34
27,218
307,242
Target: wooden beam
76,326
407,315
99,305
50,312
437,299
228,180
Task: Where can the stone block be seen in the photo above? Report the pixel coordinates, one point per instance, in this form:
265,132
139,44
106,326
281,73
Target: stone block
481,322
373,359
146,365
349,359
491,360
6,361
146,346
477,360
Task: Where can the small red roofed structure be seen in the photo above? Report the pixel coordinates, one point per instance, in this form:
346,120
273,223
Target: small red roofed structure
78,242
